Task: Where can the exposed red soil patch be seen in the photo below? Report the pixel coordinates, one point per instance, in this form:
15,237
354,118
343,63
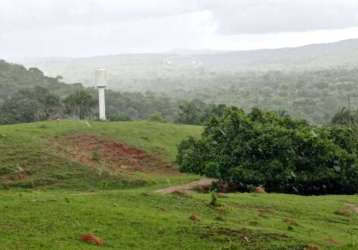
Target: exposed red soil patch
194,217
92,239
332,241
93,151
347,210
260,190
19,175
352,207
312,247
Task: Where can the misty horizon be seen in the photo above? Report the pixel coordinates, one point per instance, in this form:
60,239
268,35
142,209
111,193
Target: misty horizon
175,51
44,29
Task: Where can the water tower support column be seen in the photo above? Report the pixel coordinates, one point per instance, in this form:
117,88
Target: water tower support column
101,83
102,103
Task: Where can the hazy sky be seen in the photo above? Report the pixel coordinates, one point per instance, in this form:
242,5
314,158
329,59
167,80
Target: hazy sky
44,28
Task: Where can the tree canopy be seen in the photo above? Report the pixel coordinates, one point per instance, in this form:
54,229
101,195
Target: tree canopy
278,152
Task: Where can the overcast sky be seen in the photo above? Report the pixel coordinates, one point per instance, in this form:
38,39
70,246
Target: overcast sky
73,28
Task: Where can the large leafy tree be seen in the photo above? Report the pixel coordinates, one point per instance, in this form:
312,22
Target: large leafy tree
282,154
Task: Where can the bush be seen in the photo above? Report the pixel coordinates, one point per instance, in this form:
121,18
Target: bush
279,153
156,117
118,117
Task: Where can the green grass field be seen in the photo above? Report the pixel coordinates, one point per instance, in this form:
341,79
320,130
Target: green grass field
51,196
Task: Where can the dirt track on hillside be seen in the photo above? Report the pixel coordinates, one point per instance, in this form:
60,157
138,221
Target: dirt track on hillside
200,185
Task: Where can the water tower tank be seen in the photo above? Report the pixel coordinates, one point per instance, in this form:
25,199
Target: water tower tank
100,77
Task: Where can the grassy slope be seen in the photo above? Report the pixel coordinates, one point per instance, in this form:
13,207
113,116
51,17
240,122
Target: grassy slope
55,213
29,147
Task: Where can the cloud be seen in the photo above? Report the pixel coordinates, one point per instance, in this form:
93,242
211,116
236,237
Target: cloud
93,27
152,34
272,16
18,15
232,16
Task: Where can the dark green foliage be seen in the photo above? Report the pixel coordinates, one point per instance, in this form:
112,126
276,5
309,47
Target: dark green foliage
96,155
156,117
80,104
345,117
118,117
38,104
139,106
213,199
190,112
198,112
282,154
15,77
29,105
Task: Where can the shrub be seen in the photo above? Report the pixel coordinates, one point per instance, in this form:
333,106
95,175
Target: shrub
279,153
214,199
96,155
156,117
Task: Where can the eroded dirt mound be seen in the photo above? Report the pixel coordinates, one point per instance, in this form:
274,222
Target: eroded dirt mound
94,151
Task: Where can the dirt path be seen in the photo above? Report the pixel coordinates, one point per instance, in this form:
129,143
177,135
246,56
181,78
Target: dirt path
202,184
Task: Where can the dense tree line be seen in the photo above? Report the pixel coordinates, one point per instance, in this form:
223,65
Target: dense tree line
28,95
28,105
39,103
313,94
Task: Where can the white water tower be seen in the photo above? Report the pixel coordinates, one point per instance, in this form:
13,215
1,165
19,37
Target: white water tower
101,84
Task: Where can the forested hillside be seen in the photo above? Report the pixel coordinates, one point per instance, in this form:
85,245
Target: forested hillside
311,82
142,69
14,77
312,95
28,95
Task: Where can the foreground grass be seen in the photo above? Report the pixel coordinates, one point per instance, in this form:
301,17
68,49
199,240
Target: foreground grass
137,219
49,200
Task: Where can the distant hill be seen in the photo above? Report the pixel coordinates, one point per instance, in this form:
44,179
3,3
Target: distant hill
143,71
311,82
14,77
